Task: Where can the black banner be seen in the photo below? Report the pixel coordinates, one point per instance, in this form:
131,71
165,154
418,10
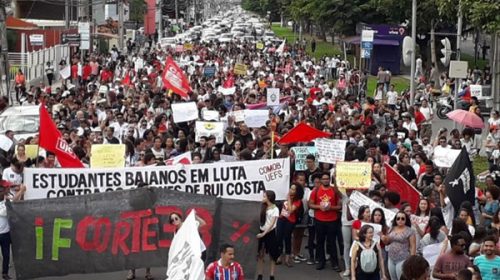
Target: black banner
122,230
460,181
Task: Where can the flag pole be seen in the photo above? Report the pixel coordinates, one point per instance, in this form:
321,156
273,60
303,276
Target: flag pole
38,144
272,144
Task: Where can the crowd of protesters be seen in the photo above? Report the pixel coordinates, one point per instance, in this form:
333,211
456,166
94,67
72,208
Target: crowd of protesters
120,98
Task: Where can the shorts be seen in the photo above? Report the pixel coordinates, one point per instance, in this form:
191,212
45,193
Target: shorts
269,244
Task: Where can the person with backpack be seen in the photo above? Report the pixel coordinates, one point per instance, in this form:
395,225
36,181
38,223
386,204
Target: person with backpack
291,210
367,262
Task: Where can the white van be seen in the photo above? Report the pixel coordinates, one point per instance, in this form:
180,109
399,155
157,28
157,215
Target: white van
23,120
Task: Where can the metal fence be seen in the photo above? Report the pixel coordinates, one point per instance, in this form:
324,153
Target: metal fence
33,63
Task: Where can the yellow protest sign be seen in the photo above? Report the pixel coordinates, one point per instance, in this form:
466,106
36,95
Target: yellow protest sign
259,45
188,47
240,69
31,151
354,175
107,155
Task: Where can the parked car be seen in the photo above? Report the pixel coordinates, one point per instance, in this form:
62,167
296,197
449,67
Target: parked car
23,120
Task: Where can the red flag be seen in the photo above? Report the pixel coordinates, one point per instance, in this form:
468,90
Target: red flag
51,140
396,183
229,83
302,133
126,79
174,79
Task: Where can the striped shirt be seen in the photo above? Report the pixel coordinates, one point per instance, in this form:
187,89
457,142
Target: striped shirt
489,268
216,271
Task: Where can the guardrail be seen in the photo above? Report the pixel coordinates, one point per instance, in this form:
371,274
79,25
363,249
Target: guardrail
33,63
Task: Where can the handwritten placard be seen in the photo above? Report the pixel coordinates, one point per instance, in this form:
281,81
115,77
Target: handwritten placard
354,175
330,150
301,154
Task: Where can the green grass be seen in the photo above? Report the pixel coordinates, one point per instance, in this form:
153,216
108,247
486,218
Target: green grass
479,165
328,49
323,48
470,59
400,84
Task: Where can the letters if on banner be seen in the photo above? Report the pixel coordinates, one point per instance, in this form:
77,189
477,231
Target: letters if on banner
122,230
238,180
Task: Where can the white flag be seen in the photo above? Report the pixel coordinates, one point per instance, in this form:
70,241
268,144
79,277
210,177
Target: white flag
65,72
185,111
184,158
281,48
184,257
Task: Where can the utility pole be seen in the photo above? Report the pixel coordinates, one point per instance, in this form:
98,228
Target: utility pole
495,68
120,25
66,13
413,49
4,52
176,12
160,21
459,38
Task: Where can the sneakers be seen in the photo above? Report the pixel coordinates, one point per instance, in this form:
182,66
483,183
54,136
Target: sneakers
310,262
346,273
299,259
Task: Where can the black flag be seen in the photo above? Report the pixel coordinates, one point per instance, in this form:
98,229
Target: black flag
460,182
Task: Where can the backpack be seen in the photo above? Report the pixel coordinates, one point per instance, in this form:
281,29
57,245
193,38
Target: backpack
368,258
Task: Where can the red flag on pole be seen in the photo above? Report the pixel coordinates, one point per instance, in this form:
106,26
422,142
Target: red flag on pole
174,79
51,140
302,133
396,183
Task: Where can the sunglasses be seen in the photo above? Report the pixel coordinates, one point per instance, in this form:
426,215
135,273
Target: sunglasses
400,218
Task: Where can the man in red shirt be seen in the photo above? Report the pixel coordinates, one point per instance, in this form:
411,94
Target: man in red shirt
86,72
225,268
326,204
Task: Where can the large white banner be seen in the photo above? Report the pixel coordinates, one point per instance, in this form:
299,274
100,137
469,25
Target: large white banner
445,157
330,150
215,129
183,112
243,180
357,199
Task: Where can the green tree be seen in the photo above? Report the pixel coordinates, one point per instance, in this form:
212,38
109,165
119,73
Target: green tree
483,14
137,9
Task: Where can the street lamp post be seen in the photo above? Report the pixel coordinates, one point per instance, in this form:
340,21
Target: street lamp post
413,49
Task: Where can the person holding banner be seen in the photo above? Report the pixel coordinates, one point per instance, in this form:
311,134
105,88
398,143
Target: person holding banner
290,211
267,237
5,240
364,216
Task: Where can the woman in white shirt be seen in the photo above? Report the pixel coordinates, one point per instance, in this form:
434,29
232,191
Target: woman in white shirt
267,237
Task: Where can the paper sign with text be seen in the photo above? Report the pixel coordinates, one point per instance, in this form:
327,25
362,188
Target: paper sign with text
357,199
300,156
330,150
354,175
107,155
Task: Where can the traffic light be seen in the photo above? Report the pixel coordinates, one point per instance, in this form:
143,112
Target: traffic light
446,51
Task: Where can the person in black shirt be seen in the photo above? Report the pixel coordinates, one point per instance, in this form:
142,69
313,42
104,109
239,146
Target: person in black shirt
405,169
311,170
